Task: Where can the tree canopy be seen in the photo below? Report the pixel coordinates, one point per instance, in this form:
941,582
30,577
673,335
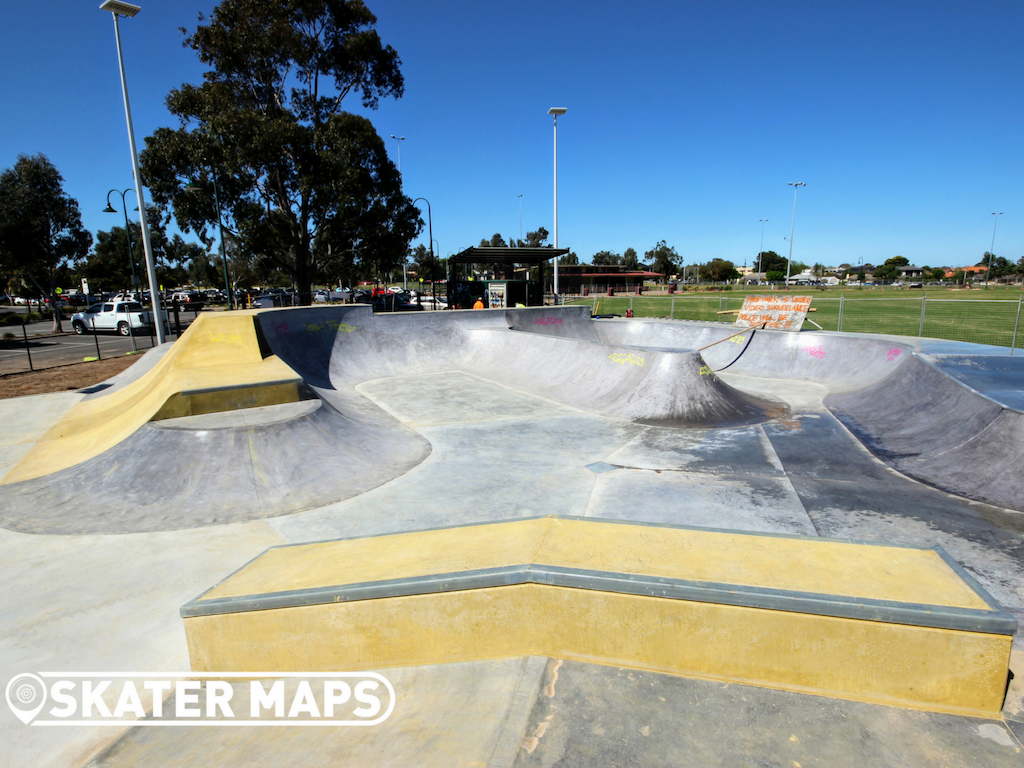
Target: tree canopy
605,258
662,258
108,267
630,260
770,261
302,185
537,239
887,272
40,225
496,241
718,271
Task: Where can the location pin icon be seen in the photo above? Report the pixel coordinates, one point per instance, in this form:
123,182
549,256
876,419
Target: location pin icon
24,691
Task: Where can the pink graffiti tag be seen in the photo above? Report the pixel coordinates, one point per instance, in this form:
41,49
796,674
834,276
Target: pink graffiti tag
816,352
281,329
893,354
549,321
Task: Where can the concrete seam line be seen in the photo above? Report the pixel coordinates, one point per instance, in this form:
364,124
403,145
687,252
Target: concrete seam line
517,717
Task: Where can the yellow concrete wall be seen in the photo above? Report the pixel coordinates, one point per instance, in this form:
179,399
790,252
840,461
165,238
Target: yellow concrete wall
219,349
919,667
879,661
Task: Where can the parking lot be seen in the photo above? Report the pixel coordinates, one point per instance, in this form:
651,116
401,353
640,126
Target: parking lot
48,350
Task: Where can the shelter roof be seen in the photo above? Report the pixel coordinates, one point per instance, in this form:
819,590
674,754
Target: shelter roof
495,255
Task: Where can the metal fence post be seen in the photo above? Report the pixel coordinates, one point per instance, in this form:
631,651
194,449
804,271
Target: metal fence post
631,303
28,350
920,328
672,312
1016,325
842,300
593,305
128,317
96,339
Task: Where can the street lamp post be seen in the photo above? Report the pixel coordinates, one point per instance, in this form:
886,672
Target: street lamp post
992,250
556,111
430,224
220,229
405,274
760,253
399,140
128,234
118,8
193,186
520,218
796,188
127,230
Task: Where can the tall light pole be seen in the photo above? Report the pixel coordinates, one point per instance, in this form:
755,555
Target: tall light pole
118,8
520,218
194,186
405,274
399,141
760,252
430,223
556,111
796,188
991,251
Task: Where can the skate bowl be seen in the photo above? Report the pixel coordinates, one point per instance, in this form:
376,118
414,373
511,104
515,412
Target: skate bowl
615,532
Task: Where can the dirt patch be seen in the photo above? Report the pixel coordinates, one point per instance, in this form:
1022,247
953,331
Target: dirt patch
63,378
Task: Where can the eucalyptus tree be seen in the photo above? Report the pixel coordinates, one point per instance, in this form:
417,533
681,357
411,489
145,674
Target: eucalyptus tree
264,146
40,226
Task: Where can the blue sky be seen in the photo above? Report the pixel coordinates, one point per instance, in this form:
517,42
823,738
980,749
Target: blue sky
686,119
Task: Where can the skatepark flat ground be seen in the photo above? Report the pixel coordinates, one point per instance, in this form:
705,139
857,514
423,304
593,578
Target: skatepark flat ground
482,442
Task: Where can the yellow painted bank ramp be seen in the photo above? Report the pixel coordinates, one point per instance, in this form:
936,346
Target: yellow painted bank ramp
885,624
216,365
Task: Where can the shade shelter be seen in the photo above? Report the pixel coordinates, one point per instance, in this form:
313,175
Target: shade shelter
510,276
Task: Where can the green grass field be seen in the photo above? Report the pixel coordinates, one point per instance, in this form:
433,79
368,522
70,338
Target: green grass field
984,316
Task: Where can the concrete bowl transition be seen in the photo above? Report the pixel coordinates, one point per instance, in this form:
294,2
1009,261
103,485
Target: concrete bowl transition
516,515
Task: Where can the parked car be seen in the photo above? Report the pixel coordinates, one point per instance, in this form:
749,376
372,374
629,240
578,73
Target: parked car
429,302
124,317
269,300
394,302
192,301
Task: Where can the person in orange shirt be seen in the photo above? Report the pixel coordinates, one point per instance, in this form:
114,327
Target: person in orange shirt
479,304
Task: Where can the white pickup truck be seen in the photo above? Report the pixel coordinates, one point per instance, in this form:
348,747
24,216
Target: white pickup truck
125,317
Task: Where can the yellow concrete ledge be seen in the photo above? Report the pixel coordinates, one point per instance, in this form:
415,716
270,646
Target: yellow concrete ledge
219,351
885,624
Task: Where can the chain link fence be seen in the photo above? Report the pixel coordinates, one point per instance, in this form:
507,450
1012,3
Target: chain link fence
982,321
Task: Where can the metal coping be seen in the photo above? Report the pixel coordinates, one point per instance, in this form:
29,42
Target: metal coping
866,609
995,621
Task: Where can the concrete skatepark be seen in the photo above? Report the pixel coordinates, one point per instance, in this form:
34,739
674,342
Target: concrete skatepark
121,505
